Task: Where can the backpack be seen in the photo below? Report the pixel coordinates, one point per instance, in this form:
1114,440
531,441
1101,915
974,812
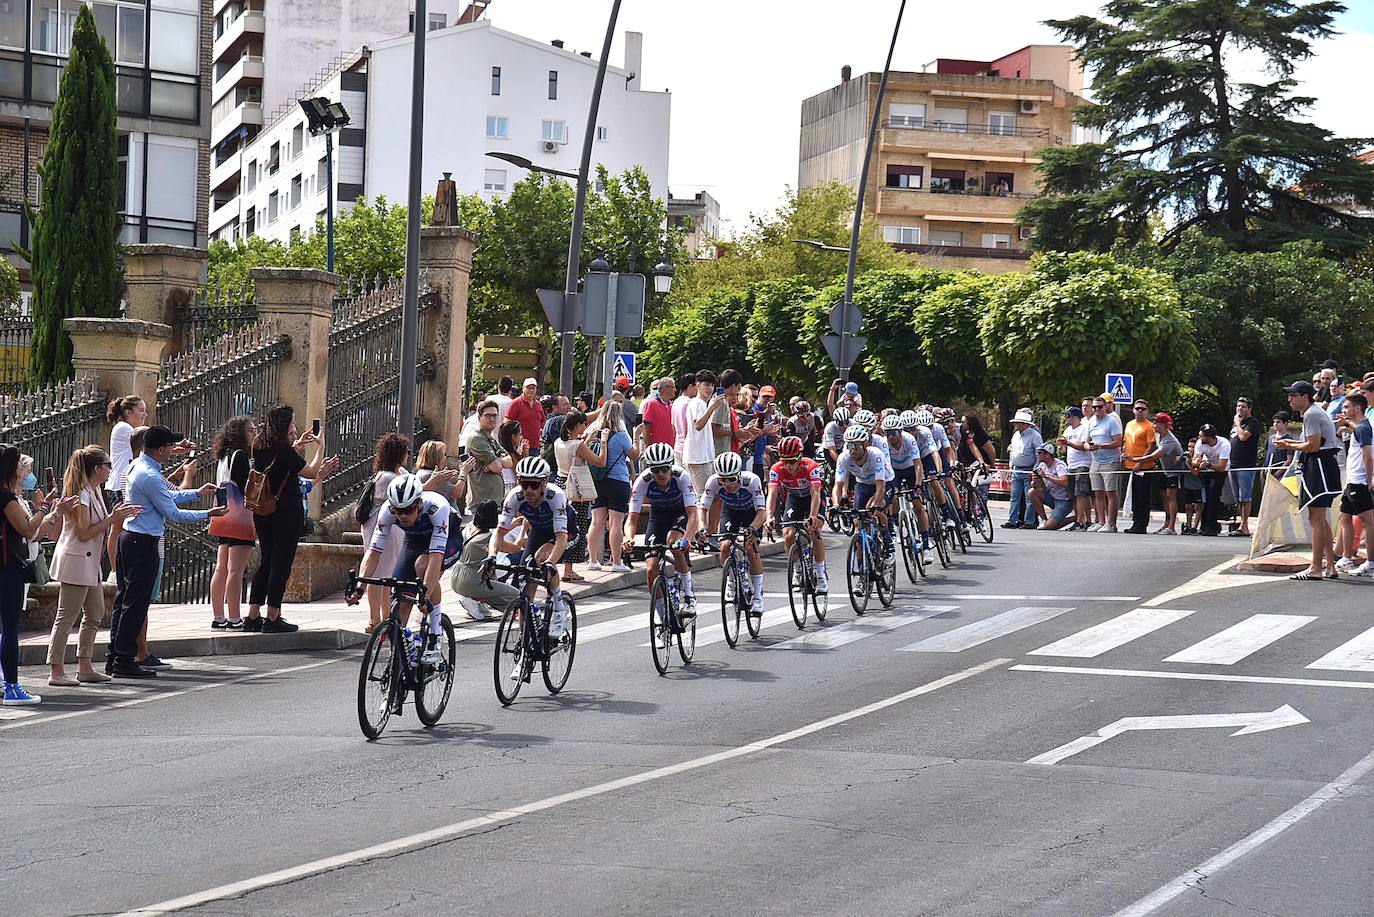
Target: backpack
256,494
366,502
599,472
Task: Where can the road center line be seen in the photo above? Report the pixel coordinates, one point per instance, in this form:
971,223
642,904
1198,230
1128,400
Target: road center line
1196,676
457,829
1194,877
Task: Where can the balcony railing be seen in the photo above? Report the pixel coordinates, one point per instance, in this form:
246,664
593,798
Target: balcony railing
972,192
950,127
964,251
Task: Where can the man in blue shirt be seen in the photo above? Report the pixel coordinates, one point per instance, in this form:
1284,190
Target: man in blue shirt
136,567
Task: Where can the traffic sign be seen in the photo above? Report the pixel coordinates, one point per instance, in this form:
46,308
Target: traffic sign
629,304
552,302
837,316
1121,386
624,365
844,360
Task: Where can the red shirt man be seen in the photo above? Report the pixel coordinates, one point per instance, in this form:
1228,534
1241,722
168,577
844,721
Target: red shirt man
657,413
529,412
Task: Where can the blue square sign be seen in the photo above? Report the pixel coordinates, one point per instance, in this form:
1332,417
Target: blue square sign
624,366
1121,386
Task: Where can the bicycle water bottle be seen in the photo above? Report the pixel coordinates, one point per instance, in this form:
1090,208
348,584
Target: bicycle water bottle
410,645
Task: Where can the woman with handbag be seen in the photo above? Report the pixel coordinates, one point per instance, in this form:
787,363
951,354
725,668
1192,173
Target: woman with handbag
612,488
573,457
15,568
278,511
76,565
234,530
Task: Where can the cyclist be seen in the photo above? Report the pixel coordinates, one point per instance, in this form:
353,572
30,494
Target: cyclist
734,501
929,444
949,456
549,525
868,420
832,440
803,425
433,543
798,480
903,453
672,516
871,474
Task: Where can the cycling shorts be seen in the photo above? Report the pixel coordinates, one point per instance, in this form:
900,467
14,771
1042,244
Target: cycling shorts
903,477
735,520
863,495
546,535
928,464
417,546
796,508
662,525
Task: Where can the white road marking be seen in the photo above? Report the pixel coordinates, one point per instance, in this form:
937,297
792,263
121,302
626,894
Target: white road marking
1195,876
1249,723
1098,639
1210,581
458,829
1196,676
18,713
604,629
877,623
164,695
1355,655
1233,644
987,596
715,633
971,635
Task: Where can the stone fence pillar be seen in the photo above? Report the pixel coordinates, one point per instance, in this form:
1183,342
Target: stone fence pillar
299,301
446,264
159,280
122,354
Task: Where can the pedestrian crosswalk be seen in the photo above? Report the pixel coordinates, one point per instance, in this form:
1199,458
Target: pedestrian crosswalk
1233,644
1116,632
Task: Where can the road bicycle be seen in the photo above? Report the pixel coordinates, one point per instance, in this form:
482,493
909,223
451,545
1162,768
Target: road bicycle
391,668
941,536
523,639
864,567
959,534
975,505
801,575
736,586
666,621
908,535
840,516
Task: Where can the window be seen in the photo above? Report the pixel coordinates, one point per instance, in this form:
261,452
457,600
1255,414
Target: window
130,35
438,21
271,208
904,176
946,237
553,84
906,114
52,26
951,119
1002,122
902,235
947,181
295,192
250,176
996,240
1025,232
496,81
557,131
274,158
1000,183
12,21
321,173
174,42
603,134
297,140
497,127
494,180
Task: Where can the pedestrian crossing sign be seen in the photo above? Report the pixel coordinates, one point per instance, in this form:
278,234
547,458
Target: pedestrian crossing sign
1121,386
623,366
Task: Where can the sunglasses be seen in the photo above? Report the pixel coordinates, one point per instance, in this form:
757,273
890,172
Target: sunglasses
791,461
661,469
531,485
730,479
105,465
856,447
1140,408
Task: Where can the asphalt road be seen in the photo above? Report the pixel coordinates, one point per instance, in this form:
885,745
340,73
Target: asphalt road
872,766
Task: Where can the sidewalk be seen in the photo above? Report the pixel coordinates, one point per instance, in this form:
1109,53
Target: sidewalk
326,624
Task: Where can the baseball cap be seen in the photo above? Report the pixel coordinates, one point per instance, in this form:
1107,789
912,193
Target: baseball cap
1330,364
1074,411
1046,447
1165,419
768,390
1107,397
159,436
1302,387
528,382
622,382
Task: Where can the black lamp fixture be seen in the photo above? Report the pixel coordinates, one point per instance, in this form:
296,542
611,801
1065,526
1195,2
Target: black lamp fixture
325,117
663,277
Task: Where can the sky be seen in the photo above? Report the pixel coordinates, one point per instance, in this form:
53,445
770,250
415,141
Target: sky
738,70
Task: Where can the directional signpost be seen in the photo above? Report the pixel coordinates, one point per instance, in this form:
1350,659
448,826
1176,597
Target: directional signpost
1121,386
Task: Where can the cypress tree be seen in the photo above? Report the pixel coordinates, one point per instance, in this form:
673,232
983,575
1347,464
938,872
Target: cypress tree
75,256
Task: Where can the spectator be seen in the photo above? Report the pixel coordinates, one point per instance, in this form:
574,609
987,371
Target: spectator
1021,454
528,412
559,406
491,596
1169,451
232,449
1192,492
630,416
975,446
433,473
637,396
1320,475
505,394
688,386
389,460
724,423
1246,434
276,454
572,457
585,403
1278,460
1051,489
1355,499
76,566
1137,448
485,481
125,414
1104,443
765,417
1074,442
656,415
1211,456
612,491
513,442
700,449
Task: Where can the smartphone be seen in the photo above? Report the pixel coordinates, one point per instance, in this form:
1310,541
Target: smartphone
221,496
49,482
315,426
1340,378
719,390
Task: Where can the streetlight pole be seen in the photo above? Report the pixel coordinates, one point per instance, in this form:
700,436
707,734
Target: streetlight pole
568,337
410,310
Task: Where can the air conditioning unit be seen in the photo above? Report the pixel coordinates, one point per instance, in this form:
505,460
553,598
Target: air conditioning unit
1030,108
551,146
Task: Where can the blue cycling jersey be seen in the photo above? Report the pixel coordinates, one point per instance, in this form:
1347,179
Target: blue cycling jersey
431,522
873,469
550,513
749,494
904,454
673,497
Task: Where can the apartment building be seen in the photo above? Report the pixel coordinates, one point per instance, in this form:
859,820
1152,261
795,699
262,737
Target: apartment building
955,153
161,50
698,217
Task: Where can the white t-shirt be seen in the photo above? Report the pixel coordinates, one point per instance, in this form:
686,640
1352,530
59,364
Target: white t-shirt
1222,450
1078,434
700,447
121,454
679,417
502,401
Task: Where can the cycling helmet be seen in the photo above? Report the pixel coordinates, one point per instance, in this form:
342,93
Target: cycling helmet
864,417
404,491
892,423
841,415
729,464
924,418
802,408
790,447
659,455
908,418
532,467
855,434
944,414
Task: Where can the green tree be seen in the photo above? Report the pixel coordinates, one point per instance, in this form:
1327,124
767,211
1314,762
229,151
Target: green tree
709,333
75,255
1184,135
1057,330
947,322
784,334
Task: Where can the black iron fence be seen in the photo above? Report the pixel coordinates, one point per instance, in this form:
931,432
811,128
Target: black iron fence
214,312
16,333
52,422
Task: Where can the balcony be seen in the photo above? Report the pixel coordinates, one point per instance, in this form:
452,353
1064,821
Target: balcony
226,172
247,67
966,141
245,113
920,201
965,251
252,22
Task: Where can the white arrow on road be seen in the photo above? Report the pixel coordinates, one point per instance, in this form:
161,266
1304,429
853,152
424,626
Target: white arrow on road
1249,723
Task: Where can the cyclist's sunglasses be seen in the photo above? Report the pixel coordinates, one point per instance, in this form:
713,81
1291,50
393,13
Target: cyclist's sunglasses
660,469
856,447
531,485
727,479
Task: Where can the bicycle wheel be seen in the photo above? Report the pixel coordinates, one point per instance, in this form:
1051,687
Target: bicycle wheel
729,608
885,579
754,622
820,604
660,631
961,535
377,680
856,572
512,661
906,534
560,662
436,680
938,533
981,520
797,584
687,639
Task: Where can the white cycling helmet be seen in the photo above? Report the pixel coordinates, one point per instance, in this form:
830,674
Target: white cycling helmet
892,423
729,465
841,415
855,434
532,467
864,417
908,418
404,491
659,455
924,418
